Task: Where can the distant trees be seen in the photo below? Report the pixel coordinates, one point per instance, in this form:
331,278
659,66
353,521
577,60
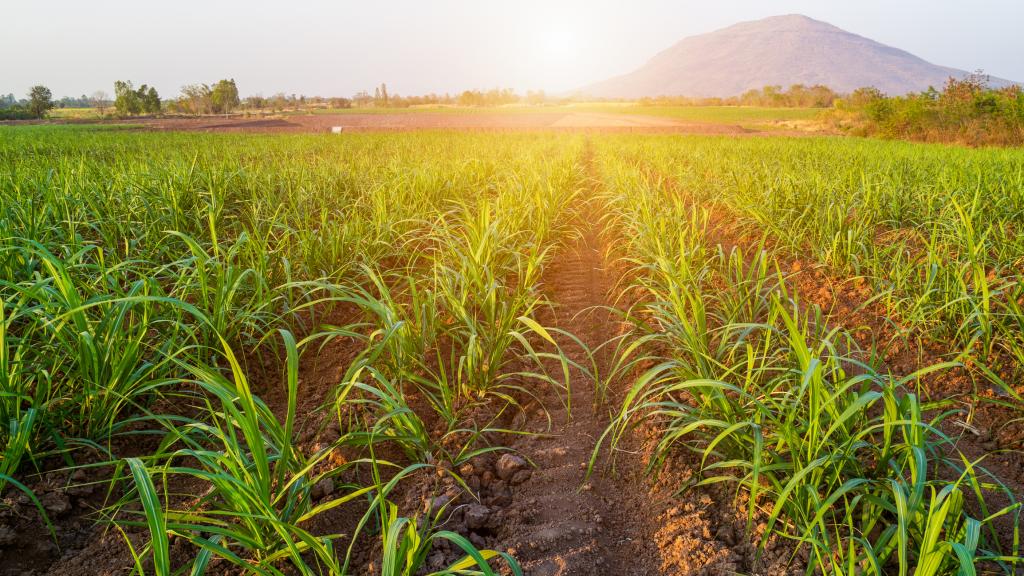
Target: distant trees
255,102
965,110
535,98
195,99
40,101
362,99
380,95
150,99
126,99
13,109
496,97
796,96
338,103
279,101
99,100
129,101
221,98
82,101
224,96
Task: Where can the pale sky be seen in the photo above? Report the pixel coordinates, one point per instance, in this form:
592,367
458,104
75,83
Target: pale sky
336,48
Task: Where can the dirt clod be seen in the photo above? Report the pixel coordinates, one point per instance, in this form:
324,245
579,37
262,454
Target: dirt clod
323,489
476,516
520,477
509,464
56,503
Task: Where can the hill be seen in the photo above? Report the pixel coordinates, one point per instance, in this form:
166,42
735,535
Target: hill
781,50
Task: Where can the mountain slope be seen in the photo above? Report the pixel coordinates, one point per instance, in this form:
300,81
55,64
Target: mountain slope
781,50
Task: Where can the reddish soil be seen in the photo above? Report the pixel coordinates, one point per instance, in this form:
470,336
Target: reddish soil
558,121
550,120
618,520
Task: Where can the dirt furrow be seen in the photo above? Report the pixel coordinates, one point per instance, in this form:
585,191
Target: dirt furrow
557,524
560,521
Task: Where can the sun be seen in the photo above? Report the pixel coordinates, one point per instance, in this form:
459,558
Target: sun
558,47
555,48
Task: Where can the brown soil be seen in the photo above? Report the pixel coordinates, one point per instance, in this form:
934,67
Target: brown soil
558,121
618,520
552,120
558,523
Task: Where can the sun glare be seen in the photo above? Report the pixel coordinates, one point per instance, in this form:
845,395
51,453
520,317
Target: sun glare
558,47
555,48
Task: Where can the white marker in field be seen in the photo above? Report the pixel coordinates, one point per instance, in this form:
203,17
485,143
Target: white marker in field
336,129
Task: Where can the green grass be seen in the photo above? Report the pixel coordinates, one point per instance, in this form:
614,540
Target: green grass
835,456
141,274
146,277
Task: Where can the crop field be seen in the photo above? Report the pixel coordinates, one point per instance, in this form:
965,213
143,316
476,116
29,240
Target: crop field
752,116
606,118
501,352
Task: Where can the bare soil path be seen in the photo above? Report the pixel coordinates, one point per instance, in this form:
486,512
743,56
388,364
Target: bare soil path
559,522
563,523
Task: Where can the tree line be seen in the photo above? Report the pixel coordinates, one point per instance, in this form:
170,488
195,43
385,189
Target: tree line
964,110
197,99
223,97
219,98
36,105
384,98
796,96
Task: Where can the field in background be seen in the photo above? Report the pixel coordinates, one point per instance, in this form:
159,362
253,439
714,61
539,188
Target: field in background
78,113
421,350
745,117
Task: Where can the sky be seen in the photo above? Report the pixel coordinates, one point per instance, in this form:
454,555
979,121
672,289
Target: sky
337,48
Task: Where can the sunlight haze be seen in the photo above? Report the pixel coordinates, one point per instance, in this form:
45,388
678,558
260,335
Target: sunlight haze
338,48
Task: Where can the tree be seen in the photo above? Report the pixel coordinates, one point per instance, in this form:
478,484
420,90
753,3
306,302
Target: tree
256,102
126,99
339,103
99,100
40,99
196,98
149,99
535,98
225,96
